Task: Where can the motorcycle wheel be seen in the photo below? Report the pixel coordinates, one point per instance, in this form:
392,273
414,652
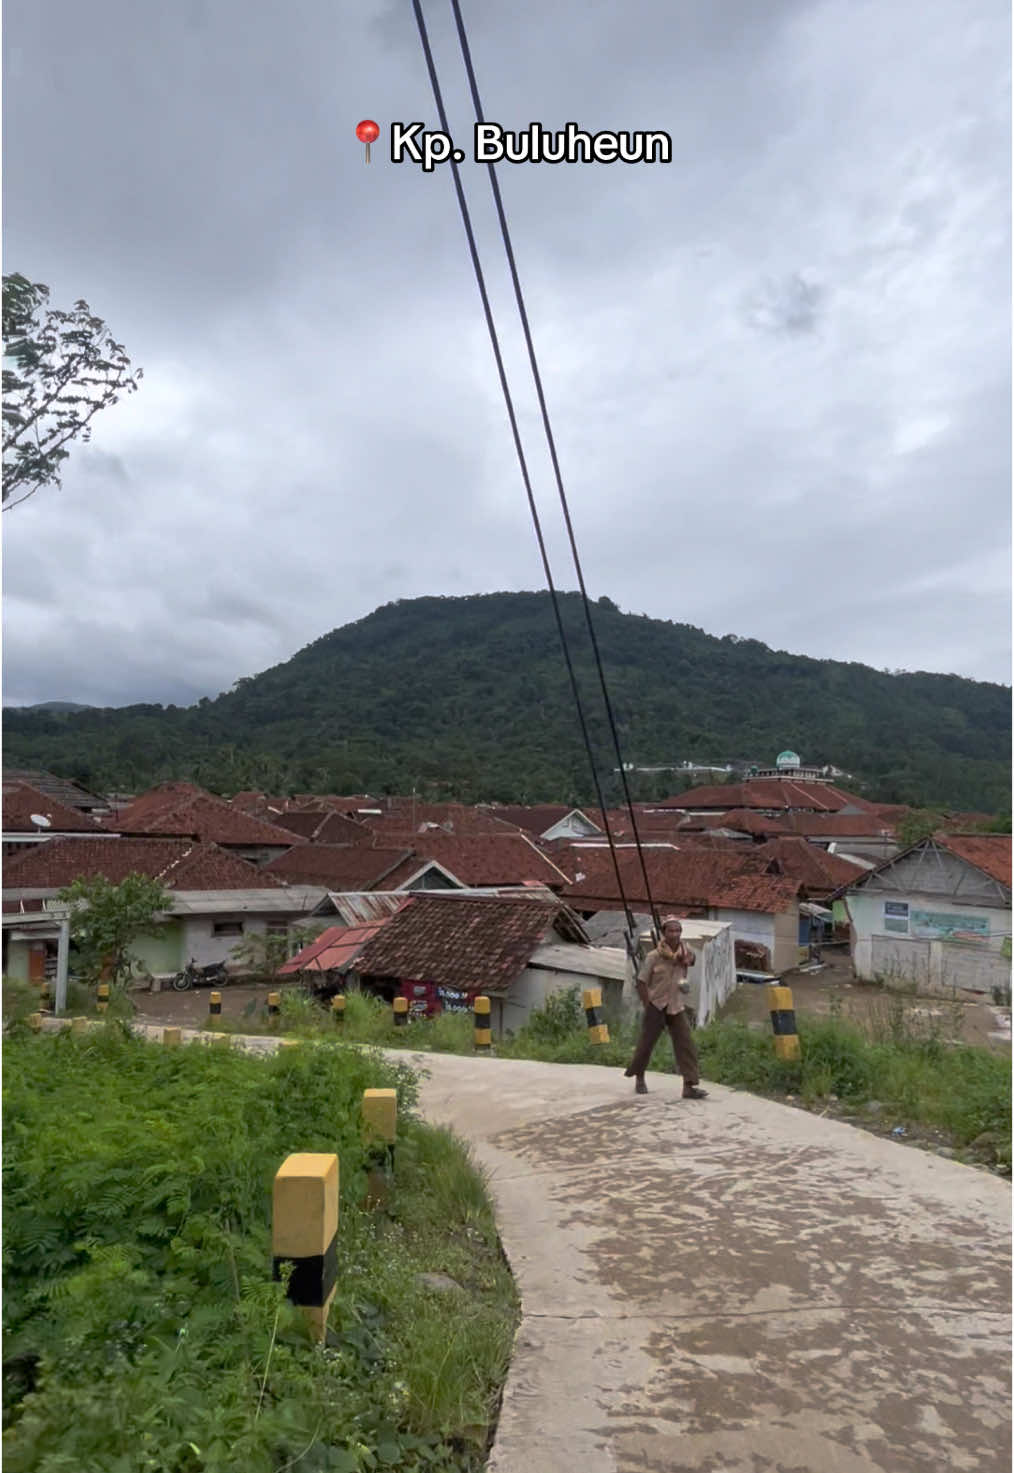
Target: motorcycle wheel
182,982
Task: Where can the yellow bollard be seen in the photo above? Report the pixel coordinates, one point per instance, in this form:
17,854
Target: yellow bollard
274,1005
215,1005
483,1036
591,1000
172,1036
79,1026
102,997
380,1131
222,1039
304,1232
400,1006
783,1022
338,1007
35,1021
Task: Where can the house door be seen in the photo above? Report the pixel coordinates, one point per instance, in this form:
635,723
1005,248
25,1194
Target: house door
37,962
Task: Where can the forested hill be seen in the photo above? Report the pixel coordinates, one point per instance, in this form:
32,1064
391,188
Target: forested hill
469,697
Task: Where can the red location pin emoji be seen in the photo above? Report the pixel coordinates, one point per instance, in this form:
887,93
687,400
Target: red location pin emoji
367,132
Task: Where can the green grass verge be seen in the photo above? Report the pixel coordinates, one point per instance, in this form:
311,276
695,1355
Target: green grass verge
142,1331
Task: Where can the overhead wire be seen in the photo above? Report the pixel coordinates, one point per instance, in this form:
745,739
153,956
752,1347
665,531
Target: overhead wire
551,443
519,449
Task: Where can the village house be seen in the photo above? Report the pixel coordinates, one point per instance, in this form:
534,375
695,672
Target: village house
937,915
218,900
61,790
741,888
31,816
439,951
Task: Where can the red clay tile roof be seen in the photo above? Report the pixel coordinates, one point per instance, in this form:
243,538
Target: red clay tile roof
487,859
811,865
473,943
989,852
303,821
21,800
202,816
58,789
690,878
747,822
772,792
333,948
337,866
160,798
839,825
770,894
180,864
403,820
535,820
337,829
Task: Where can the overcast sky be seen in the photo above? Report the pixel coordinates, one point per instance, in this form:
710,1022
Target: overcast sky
778,366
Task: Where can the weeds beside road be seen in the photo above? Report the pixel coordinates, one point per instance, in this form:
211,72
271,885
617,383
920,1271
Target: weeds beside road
142,1329
891,1069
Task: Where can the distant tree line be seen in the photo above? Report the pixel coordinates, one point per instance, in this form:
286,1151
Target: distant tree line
468,698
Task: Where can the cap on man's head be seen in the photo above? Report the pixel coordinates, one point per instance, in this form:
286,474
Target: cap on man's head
672,921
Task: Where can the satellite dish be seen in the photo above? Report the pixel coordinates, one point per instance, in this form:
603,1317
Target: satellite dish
40,820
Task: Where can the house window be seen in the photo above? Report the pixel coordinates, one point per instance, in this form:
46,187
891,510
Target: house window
896,916
227,928
277,928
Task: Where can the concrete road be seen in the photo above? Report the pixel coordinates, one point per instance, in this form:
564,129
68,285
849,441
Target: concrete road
733,1286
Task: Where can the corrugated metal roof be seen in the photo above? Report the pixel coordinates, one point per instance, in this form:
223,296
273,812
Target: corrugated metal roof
609,962
333,949
295,901
359,907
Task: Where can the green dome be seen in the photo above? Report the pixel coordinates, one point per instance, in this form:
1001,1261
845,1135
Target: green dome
787,759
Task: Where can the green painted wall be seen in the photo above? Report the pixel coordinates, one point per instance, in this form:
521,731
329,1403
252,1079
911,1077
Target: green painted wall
841,915
161,951
17,961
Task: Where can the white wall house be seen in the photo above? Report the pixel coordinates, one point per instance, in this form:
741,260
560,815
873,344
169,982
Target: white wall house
937,915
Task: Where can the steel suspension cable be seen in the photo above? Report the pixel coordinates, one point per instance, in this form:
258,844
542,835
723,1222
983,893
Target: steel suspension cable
551,442
519,449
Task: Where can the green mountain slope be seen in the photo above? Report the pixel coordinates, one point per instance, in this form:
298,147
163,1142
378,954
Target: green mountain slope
469,697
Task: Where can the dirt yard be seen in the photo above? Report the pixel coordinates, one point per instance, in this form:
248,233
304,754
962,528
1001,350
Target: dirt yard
190,1009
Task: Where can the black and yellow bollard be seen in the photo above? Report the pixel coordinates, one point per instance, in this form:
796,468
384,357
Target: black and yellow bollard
400,1006
102,997
380,1131
304,1232
338,1007
215,1005
783,1022
45,997
591,1000
483,1032
172,1036
274,1006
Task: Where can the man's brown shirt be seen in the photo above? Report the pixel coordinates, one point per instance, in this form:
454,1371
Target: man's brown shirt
661,978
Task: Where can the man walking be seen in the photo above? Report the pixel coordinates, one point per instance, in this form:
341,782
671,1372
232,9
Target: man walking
661,986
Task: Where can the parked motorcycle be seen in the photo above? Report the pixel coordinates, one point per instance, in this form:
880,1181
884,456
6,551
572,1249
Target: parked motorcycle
194,976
